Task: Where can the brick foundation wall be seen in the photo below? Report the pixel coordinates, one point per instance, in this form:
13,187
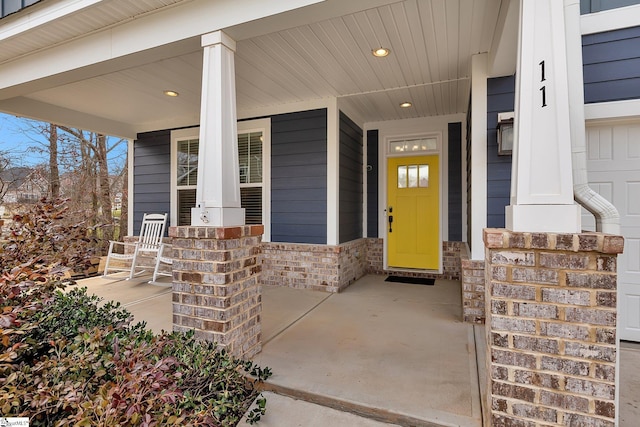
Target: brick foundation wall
318,267
451,252
450,260
352,259
333,268
375,256
216,287
551,328
473,288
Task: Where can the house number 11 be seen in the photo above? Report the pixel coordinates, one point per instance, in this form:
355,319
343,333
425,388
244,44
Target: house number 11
543,89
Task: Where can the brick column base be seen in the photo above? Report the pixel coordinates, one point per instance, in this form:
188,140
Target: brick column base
551,328
216,287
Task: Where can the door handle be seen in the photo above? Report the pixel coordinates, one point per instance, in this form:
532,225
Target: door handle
390,217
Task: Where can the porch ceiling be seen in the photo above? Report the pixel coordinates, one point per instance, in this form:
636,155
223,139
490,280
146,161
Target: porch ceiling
320,51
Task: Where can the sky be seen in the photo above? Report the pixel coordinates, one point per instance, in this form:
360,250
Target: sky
20,144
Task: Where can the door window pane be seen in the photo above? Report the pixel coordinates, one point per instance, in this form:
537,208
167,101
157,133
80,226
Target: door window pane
424,176
402,177
413,176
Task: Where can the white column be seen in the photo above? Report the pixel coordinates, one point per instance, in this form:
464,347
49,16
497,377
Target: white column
218,190
478,154
541,179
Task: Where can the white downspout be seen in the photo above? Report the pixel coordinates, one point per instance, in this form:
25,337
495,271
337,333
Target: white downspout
607,217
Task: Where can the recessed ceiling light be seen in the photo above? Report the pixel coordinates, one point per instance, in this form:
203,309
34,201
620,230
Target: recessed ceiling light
406,104
380,52
171,93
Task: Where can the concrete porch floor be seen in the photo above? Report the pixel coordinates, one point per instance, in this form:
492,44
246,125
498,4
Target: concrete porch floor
377,354
391,351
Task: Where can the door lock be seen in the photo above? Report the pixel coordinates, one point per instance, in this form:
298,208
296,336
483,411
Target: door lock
390,217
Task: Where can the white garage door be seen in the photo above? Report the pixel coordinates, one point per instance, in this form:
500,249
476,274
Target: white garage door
614,172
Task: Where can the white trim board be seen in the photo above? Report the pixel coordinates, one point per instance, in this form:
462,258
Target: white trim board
333,173
620,110
130,177
609,20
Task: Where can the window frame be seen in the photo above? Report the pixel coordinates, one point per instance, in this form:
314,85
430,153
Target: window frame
245,126
264,126
176,137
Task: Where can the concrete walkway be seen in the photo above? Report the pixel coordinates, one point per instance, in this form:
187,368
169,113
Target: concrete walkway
377,354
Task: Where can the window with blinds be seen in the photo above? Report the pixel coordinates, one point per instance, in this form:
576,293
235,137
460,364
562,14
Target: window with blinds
250,170
186,178
250,159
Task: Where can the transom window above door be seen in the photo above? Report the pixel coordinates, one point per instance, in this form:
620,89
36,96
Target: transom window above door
413,145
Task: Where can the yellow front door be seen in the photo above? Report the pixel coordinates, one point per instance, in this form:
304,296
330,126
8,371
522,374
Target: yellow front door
413,209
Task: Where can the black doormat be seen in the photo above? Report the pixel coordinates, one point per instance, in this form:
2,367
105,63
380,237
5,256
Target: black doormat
411,280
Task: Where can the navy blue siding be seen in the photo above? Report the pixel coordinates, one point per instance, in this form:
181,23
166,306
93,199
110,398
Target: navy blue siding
151,175
351,180
455,182
611,65
299,177
593,6
500,98
7,7
372,183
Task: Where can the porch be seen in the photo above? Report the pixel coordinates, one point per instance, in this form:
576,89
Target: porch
355,352
359,352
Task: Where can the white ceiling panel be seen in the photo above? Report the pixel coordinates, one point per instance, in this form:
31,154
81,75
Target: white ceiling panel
431,44
102,15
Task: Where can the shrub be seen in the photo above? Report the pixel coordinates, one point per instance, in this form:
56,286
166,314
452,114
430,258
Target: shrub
67,358
46,235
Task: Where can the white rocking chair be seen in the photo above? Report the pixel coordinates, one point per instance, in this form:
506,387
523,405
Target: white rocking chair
149,244
164,257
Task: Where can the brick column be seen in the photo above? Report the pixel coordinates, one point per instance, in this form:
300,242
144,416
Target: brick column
551,328
216,287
